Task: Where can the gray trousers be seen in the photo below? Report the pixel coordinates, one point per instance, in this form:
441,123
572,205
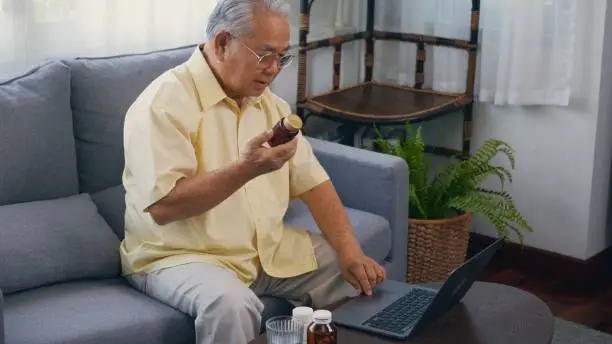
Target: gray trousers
227,311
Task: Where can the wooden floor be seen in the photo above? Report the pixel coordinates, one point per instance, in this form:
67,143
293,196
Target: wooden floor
592,308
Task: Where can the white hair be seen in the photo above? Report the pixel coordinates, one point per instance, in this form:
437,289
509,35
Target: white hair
236,16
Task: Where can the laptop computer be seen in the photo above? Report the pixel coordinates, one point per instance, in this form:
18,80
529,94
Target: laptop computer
400,310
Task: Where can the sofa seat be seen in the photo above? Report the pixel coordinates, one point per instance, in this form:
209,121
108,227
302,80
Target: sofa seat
372,231
88,312
105,311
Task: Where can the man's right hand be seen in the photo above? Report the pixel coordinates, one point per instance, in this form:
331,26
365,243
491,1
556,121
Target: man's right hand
260,158
197,194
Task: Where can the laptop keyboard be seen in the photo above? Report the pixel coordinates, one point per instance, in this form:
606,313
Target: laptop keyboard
402,313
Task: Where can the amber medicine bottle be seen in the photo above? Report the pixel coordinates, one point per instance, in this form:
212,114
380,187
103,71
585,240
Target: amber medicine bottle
322,330
285,130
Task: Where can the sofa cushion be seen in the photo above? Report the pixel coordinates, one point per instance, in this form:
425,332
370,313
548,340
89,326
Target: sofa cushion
83,312
273,306
57,240
102,91
37,152
372,231
1,318
111,205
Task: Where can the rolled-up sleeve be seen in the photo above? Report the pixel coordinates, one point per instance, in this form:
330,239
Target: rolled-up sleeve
158,153
305,171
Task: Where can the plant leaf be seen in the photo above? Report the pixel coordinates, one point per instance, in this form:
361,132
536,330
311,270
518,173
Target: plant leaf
457,186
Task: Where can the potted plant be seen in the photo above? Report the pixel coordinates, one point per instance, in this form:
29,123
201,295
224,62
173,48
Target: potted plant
443,201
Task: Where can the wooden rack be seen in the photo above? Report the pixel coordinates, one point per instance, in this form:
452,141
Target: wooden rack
374,103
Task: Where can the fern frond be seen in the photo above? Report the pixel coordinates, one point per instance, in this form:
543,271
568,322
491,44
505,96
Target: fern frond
505,195
412,150
509,153
475,204
383,145
487,151
414,198
440,185
518,232
496,208
477,177
478,168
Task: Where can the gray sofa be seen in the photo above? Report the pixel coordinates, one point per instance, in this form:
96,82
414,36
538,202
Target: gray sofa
61,206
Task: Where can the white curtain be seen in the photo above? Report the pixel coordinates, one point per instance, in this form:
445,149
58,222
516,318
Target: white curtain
32,31
526,52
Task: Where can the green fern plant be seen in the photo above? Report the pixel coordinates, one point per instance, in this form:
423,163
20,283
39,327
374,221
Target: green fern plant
456,187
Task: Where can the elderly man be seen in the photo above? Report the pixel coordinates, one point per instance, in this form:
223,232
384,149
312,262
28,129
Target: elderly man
206,194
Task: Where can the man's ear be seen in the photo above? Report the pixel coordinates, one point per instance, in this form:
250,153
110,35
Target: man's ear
222,41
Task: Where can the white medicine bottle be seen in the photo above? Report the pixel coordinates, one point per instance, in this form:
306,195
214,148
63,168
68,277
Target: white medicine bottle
304,316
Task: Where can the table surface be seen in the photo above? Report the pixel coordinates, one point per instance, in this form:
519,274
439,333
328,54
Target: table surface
490,313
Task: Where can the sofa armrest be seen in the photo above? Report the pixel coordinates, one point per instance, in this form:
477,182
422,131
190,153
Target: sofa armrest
1,318
372,182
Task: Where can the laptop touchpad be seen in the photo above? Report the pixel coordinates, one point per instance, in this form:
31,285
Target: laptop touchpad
363,307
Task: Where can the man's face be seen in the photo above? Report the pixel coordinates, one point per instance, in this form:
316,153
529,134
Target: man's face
243,73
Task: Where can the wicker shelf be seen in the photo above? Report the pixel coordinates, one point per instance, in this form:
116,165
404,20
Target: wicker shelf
373,103
384,103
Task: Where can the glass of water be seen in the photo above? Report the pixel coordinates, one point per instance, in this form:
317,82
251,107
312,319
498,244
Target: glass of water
284,329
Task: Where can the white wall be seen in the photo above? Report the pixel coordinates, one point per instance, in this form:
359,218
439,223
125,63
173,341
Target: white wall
561,182
563,154
600,233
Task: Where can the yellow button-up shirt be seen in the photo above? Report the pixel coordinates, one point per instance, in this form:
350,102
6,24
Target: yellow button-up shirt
184,124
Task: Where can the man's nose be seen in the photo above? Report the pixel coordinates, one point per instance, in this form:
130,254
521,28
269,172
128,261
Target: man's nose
274,67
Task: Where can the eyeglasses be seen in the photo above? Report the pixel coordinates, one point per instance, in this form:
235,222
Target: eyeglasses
268,59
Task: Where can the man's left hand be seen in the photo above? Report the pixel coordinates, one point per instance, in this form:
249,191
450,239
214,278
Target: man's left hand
361,271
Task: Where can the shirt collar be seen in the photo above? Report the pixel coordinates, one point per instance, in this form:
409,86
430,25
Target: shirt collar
207,86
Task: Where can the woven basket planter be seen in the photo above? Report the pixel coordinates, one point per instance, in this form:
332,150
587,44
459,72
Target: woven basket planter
436,247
